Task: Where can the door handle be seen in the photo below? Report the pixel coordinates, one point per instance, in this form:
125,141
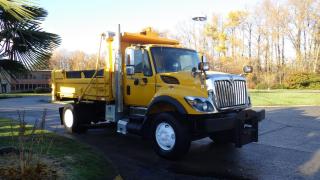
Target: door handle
136,82
128,90
145,80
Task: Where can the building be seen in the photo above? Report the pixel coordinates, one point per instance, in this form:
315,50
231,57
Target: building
29,82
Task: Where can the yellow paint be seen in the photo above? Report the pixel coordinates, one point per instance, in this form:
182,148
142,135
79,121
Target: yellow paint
67,90
189,86
109,58
141,94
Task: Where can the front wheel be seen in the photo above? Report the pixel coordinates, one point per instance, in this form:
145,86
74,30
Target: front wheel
171,138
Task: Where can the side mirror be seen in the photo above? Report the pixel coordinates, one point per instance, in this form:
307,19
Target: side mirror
203,66
204,58
130,70
247,69
130,56
129,61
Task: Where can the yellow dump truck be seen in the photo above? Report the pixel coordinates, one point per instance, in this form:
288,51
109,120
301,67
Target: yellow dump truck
153,87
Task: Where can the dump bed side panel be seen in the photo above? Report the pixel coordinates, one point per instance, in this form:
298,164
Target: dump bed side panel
73,84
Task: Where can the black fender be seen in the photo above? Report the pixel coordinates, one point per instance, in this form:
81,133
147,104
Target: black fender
161,99
168,100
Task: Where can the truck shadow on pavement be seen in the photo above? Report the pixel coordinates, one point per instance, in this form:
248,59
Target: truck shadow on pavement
136,159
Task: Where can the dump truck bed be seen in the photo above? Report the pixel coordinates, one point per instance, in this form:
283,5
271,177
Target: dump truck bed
74,84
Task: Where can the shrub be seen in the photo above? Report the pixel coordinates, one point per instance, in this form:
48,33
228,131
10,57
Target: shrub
42,90
27,159
279,86
303,81
261,86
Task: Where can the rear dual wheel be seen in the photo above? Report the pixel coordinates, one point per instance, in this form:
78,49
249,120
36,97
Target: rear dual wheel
73,119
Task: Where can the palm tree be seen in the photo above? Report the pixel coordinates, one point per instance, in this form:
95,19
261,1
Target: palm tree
16,8
23,44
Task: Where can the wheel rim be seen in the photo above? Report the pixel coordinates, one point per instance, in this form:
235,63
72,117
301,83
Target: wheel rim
165,136
68,118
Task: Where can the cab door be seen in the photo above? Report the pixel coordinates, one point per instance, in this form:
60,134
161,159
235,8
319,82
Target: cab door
139,88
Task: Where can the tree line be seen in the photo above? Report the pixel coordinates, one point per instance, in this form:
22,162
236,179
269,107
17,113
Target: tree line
278,38
75,60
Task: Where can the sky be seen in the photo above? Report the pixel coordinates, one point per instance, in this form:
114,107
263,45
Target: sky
80,22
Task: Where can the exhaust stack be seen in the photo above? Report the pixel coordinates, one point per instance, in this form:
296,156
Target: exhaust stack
118,78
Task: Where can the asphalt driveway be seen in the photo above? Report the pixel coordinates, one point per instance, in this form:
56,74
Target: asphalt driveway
288,148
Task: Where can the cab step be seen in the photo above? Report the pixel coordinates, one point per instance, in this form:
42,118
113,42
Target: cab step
132,125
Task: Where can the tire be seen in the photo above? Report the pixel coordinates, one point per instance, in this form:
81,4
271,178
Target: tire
71,119
170,138
222,137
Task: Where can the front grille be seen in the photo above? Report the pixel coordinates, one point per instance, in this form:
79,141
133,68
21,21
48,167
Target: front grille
230,93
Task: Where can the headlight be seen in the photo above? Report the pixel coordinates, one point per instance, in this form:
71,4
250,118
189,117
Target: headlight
200,104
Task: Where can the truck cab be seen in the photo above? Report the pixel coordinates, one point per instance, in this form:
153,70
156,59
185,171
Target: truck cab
153,87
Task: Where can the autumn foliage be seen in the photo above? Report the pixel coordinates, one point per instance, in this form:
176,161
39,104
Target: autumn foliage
280,39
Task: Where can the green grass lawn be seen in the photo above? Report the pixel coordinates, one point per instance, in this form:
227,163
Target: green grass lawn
78,160
284,97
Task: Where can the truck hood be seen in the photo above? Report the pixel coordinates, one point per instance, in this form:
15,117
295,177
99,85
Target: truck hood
186,79
214,75
217,75
215,87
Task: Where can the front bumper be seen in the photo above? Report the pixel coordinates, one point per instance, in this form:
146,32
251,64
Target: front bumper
243,125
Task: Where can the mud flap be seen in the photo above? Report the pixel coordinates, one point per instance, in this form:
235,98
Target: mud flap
247,129
61,114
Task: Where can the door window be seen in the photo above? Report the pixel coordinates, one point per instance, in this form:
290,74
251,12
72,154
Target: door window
142,63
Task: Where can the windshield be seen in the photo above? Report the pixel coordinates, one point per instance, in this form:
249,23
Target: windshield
169,59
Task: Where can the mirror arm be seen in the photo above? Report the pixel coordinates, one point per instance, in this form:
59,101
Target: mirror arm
243,74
